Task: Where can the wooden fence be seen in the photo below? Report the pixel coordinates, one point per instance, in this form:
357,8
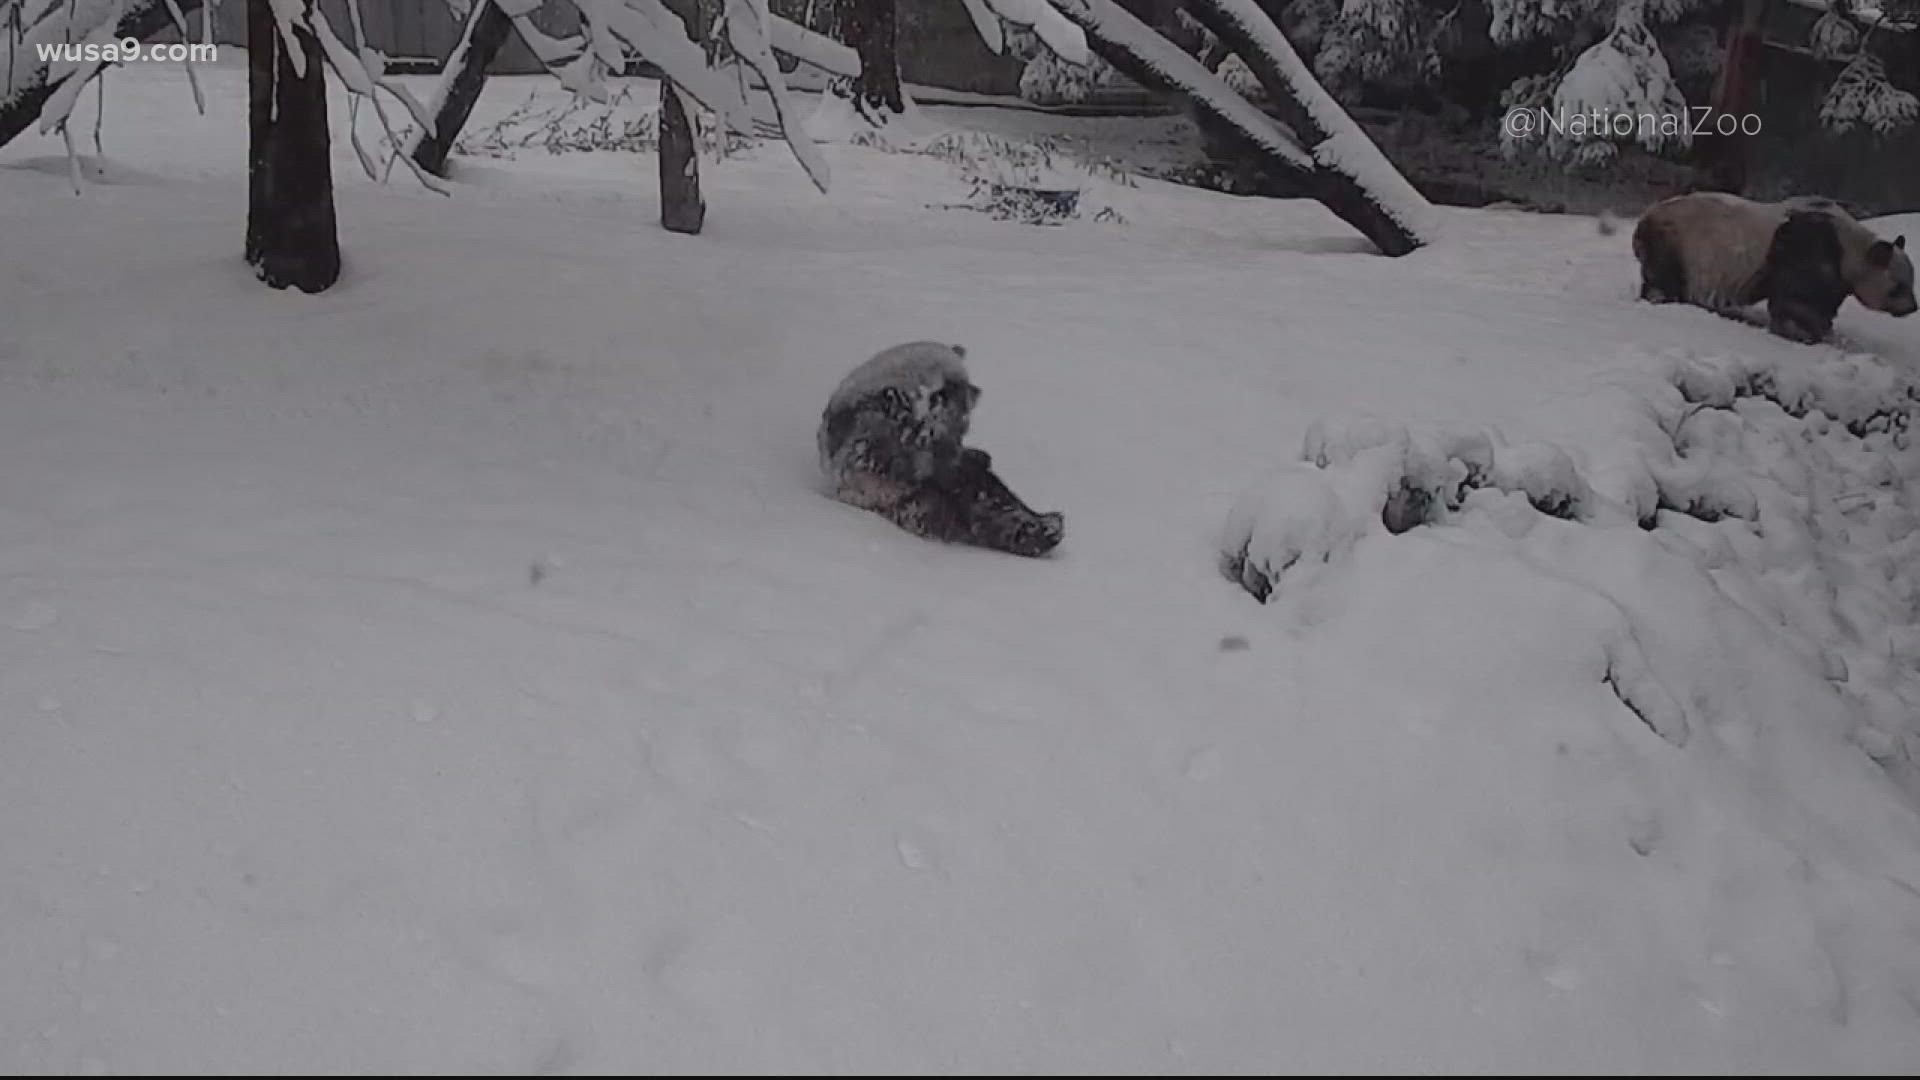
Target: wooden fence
939,46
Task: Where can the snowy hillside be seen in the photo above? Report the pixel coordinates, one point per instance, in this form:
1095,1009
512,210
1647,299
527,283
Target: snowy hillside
462,669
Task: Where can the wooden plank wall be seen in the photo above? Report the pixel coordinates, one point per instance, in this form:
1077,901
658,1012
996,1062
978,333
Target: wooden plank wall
938,47
420,30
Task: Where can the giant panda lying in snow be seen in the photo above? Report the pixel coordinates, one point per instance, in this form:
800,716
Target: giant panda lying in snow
890,441
1804,257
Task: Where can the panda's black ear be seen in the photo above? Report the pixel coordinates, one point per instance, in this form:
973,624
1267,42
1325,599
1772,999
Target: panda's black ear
1900,241
973,395
1880,255
959,350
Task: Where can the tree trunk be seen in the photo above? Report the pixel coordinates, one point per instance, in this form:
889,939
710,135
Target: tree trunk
1720,161
872,27
682,208
1311,114
1154,62
460,84
291,235
144,21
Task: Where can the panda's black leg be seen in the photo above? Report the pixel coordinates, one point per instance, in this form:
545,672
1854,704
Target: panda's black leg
930,512
990,515
1798,321
1663,277
1804,284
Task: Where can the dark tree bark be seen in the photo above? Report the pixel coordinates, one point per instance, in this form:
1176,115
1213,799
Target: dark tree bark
486,31
1720,161
291,234
872,28
142,23
682,208
1338,191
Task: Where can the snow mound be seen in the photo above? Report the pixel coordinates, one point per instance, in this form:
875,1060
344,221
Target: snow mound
1785,495
1368,474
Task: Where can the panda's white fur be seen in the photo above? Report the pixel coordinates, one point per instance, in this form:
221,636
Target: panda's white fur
1723,252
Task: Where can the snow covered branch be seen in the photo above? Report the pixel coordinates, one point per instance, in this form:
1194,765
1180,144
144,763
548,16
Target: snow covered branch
1338,164
29,85
1351,176
816,50
747,31
1058,30
1146,57
465,72
650,31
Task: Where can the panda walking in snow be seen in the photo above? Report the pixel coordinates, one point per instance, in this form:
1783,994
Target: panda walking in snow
1804,257
890,442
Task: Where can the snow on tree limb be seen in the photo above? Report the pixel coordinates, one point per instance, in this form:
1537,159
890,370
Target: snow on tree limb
51,22
83,22
360,79
180,22
811,48
1064,36
988,24
288,14
482,33
29,84
1337,143
1111,22
653,32
73,76
747,22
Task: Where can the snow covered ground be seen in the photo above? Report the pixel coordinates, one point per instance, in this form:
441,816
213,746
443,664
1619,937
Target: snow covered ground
462,670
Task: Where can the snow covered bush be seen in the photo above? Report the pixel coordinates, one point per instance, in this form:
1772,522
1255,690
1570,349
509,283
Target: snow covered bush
1388,43
1781,492
1033,182
1620,57
620,124
1863,98
1624,80
1049,80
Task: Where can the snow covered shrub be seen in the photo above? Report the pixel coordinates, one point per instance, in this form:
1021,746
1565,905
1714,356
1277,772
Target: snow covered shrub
1049,80
1622,78
578,125
1624,58
1028,206
1863,98
1035,182
1834,37
1382,43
